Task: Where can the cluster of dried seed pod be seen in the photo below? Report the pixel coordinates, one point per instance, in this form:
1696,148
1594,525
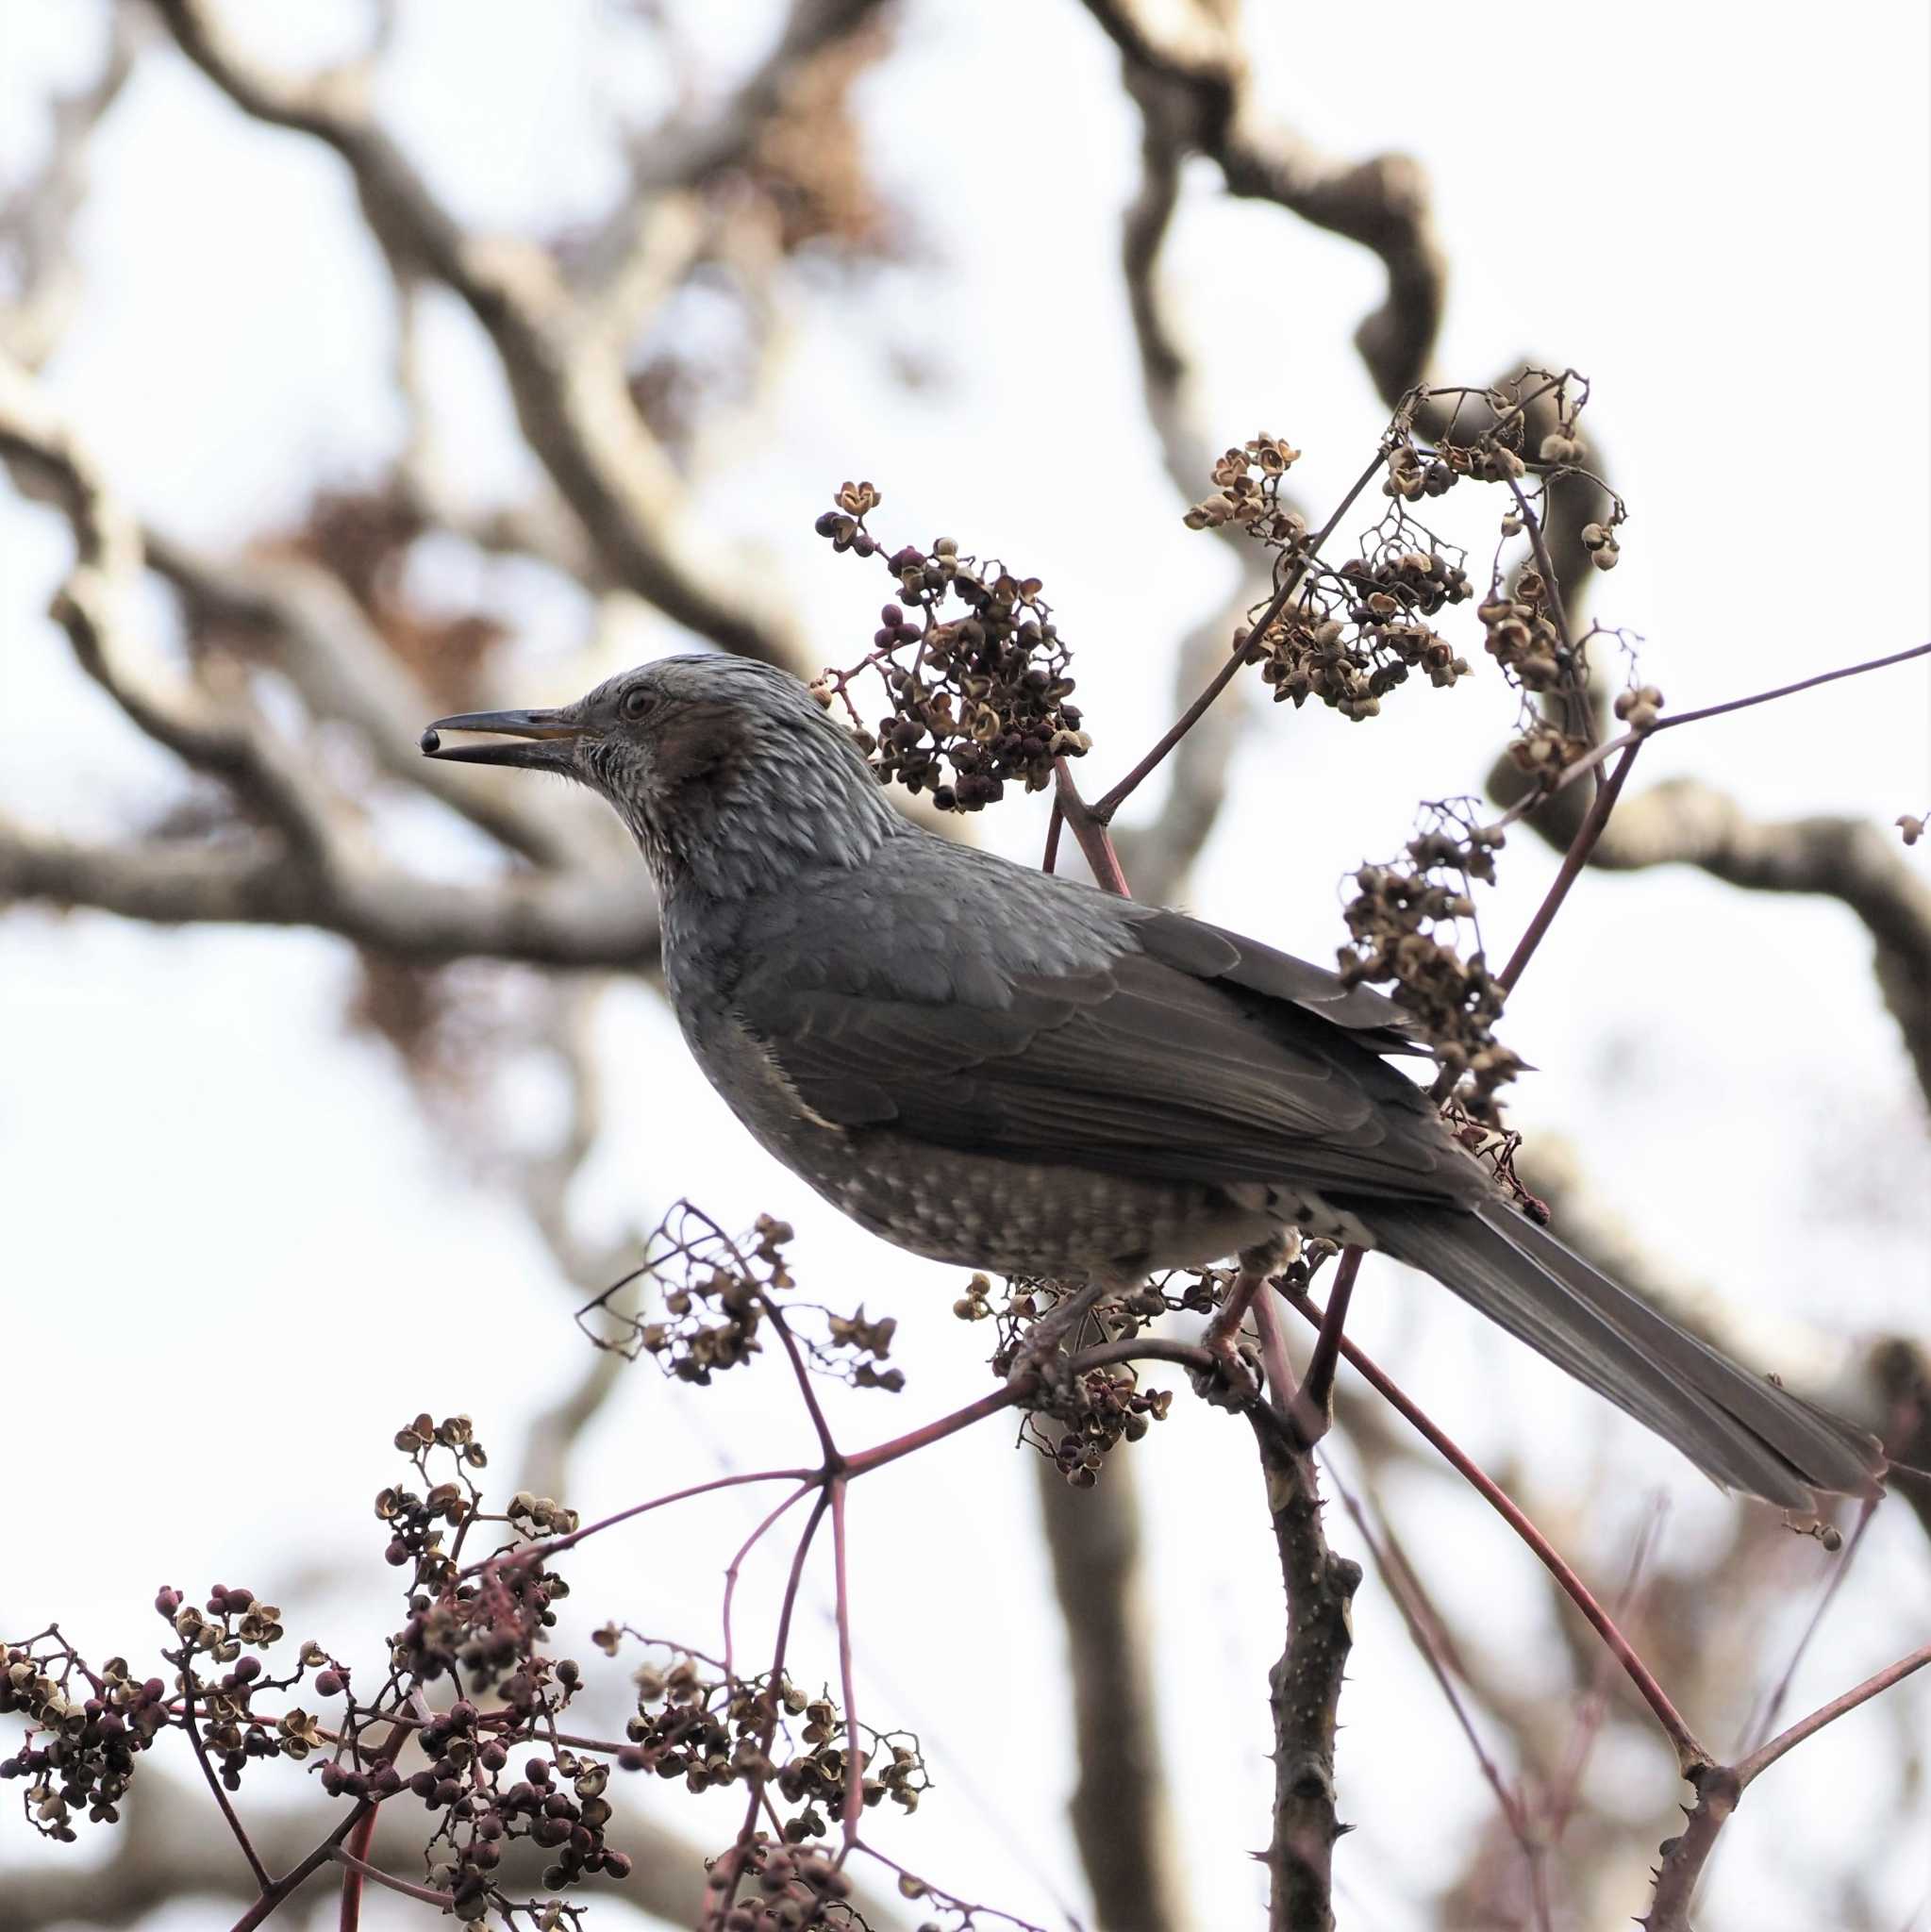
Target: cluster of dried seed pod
975,673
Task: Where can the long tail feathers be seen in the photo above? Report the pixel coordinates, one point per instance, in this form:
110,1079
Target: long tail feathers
1745,1431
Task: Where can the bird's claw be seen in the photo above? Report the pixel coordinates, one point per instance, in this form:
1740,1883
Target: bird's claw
1038,1368
1233,1379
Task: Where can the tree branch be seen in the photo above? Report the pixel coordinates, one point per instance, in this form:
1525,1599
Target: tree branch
1304,1692
93,606
566,376
1721,1790
1192,76
1684,821
535,919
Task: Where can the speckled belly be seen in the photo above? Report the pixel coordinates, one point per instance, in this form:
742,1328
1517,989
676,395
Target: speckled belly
976,1211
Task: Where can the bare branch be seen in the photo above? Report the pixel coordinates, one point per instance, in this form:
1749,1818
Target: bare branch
345,672
539,920
691,152
37,219
93,606
1683,822
1194,79
1721,1789
1303,1689
1161,854
567,378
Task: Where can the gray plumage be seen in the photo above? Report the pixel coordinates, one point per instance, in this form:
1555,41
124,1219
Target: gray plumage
1001,1068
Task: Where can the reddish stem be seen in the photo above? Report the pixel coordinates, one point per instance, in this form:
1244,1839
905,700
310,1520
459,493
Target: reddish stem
1690,1756
1088,828
551,1546
854,1767
355,1869
1224,675
1785,691
803,1377
736,1563
1314,1401
933,1432
353,1857
747,1832
214,1784
1761,1761
1587,835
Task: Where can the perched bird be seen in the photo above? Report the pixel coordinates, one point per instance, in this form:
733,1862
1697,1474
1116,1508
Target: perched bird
1005,1070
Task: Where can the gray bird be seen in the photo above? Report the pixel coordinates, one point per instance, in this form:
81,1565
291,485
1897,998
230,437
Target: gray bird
1003,1069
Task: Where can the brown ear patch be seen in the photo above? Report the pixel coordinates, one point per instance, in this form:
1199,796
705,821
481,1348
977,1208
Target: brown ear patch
697,743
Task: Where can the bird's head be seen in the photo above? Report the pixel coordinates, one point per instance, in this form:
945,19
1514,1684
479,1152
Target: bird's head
728,772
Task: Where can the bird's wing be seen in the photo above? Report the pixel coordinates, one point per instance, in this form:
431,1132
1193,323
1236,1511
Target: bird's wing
1211,952
1139,1066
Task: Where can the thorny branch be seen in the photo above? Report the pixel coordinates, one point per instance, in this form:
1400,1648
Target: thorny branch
1721,1788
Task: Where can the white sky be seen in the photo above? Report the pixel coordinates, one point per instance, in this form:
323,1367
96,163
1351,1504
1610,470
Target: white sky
236,1256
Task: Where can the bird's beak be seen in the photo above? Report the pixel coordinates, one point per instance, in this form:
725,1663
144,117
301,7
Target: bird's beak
538,739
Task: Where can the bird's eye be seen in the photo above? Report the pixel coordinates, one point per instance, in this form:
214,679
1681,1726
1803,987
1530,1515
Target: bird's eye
637,703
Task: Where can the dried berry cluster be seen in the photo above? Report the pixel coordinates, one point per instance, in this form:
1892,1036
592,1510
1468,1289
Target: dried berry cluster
696,1723
78,1754
716,1296
415,1539
1496,1148
1639,706
973,669
1103,1408
1522,632
1247,486
1396,921
794,1889
1351,635
1026,1299
1483,436
556,1802
484,1630
1351,650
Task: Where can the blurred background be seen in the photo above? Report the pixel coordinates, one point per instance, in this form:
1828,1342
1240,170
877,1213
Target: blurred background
453,354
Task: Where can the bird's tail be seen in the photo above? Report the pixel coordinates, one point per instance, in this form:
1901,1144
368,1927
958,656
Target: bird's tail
1747,1432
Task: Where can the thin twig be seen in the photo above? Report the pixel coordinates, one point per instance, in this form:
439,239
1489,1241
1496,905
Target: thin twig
1535,799
747,1832
1765,1756
1114,799
1755,1733
360,1869
1575,684
736,1563
1691,1754
1587,833
1721,1788
1314,1400
854,1807
1429,1636
221,1797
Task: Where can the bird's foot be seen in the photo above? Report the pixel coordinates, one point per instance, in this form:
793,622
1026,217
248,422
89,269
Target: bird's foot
1040,1354
1233,1378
